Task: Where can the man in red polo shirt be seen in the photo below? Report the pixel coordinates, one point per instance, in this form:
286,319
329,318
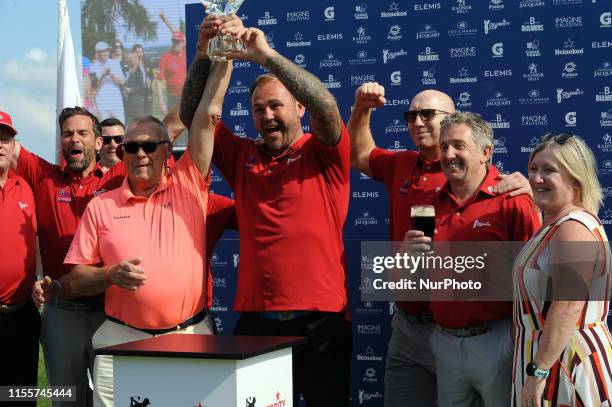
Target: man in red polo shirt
408,176
61,194
472,344
172,68
19,318
291,278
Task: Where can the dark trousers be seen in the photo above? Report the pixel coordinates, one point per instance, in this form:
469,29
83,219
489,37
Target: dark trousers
19,334
321,366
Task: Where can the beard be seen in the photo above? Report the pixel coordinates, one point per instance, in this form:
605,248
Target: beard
76,165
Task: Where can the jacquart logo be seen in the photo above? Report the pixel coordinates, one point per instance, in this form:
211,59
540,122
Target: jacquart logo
498,100
531,3
606,168
368,308
463,28
463,76
604,70
569,48
298,41
604,95
532,49
300,60
364,397
391,55
427,32
534,120
463,52
238,88
369,329
278,401
497,50
499,145
532,25
534,97
569,70
429,77
566,94
369,375
570,119
361,12
293,16
606,145
498,73
329,37
332,83
532,73
267,19
217,306
365,220
500,123
494,25
394,11
361,37
606,118
239,110
329,13
605,19
532,144
362,59
427,6
568,22
396,78
219,282
461,7
239,130
395,33
496,5
357,80
330,62
427,55
368,355
464,100
397,127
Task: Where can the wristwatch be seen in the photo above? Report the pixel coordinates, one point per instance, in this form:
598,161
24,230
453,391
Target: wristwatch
533,370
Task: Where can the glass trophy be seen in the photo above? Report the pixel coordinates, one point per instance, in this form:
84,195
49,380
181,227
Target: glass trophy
222,45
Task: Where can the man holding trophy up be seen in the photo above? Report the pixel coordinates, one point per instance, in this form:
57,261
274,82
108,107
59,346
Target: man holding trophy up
292,277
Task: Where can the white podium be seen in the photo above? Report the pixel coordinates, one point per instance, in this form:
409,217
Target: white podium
203,371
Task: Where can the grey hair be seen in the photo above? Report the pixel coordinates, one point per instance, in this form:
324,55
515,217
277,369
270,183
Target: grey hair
482,133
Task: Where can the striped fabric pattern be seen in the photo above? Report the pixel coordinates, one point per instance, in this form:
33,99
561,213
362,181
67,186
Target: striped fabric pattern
583,374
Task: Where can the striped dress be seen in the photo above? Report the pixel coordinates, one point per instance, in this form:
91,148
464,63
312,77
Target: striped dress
582,376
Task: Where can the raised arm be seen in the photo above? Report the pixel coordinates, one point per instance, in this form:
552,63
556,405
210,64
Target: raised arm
201,135
325,120
367,96
200,66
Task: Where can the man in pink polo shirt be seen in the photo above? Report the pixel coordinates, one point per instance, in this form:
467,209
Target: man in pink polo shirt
291,278
144,242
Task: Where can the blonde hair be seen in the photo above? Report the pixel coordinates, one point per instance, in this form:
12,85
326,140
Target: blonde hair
579,161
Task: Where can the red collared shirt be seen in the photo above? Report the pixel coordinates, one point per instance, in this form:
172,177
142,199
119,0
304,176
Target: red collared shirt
500,218
291,209
61,198
18,247
173,68
409,179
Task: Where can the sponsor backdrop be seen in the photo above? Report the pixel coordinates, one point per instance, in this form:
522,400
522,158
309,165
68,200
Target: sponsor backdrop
527,66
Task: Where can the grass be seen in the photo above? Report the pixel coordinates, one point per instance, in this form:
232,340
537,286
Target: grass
42,378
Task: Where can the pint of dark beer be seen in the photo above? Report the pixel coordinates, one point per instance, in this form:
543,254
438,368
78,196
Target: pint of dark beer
424,219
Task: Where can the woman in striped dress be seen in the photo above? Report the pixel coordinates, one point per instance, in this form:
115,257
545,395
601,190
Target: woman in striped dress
563,348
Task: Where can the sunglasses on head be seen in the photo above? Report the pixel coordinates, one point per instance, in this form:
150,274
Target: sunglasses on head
425,114
108,139
148,147
560,138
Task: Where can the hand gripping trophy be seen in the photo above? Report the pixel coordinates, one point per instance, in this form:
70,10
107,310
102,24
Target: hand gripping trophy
222,45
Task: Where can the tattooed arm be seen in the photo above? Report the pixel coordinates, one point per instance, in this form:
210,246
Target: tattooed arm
325,120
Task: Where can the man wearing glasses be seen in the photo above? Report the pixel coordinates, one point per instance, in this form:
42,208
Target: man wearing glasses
112,135
144,243
409,176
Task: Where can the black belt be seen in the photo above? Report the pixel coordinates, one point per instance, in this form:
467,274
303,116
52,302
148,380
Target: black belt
191,321
93,306
469,331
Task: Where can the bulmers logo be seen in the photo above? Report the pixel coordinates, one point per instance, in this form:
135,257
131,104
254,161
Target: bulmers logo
427,55
239,110
532,25
604,95
500,123
267,19
331,82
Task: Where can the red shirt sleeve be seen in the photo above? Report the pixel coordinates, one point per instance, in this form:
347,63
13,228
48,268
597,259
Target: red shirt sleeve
525,219
226,152
382,163
32,168
336,160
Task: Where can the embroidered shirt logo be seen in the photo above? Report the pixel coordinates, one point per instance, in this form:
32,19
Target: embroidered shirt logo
405,186
64,196
479,224
22,205
292,159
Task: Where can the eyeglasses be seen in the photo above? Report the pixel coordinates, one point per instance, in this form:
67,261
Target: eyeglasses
425,114
560,138
148,146
108,139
